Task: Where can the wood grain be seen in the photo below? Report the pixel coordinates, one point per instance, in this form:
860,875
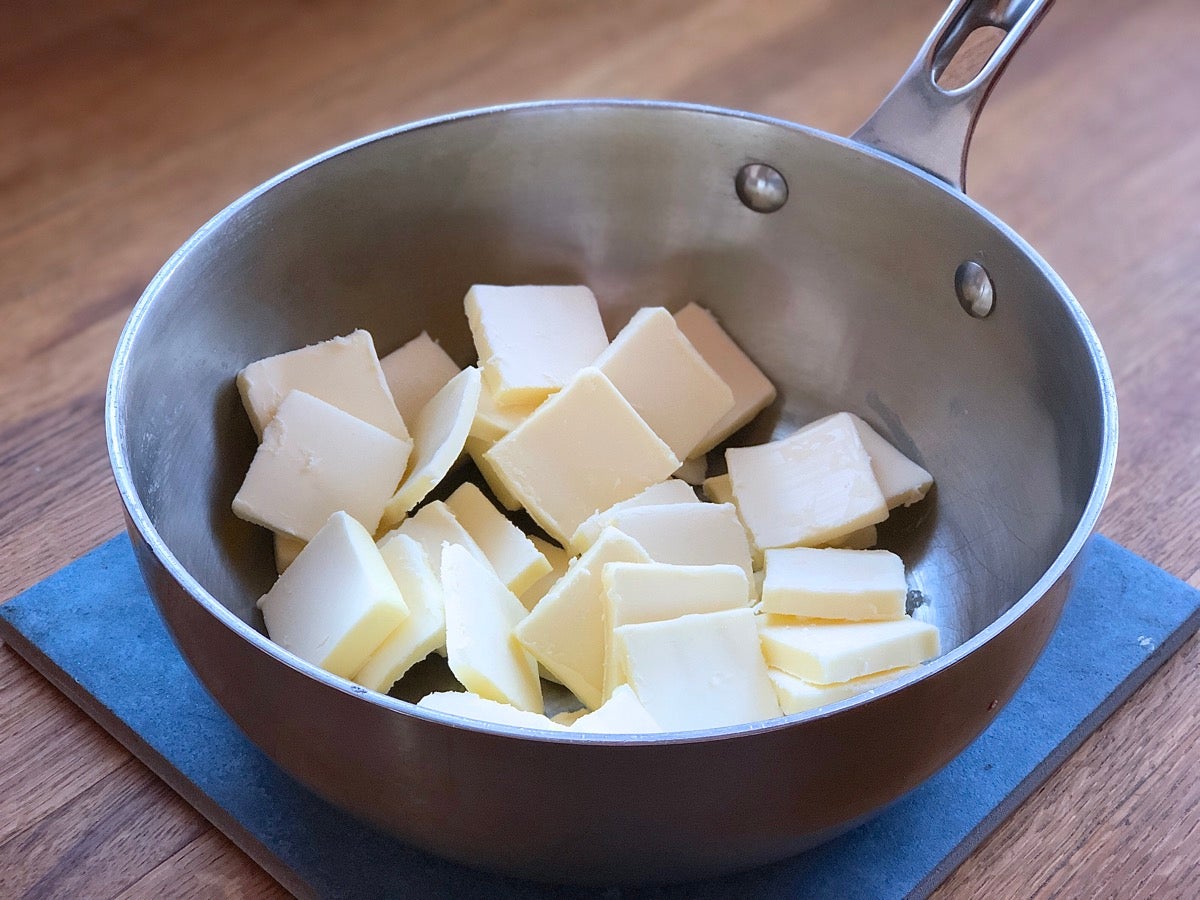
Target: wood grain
127,123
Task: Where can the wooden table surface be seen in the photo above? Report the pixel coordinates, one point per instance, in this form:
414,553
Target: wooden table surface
125,124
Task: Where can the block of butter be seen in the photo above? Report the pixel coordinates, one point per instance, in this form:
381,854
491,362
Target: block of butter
415,372
558,558
807,489
900,479
797,695
434,526
439,435
665,492
481,614
832,652
493,421
532,339
856,585
472,706
337,602
514,557
652,592
665,379
581,451
314,460
622,713
344,372
565,631
752,390
699,671
287,548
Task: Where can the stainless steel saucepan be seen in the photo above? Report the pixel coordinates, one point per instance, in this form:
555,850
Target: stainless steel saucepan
858,275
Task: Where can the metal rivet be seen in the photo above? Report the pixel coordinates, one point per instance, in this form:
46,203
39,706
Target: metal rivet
974,288
761,187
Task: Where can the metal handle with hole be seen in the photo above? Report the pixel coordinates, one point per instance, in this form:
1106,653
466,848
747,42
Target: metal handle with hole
930,126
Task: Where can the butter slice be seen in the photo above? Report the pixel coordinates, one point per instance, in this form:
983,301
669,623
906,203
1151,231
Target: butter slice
337,602
493,421
472,706
415,372
665,492
477,449
314,460
559,560
652,592
752,390
532,339
287,548
666,380
481,614
809,488
434,526
622,713
344,372
699,671
856,585
439,435
565,631
687,535
514,557
581,451
425,628
797,695
839,651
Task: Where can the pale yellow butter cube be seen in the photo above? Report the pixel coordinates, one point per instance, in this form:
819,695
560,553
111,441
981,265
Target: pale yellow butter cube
652,592
699,671
565,631
752,390
622,713
581,451
472,706
415,372
314,460
344,372
666,380
481,614
532,339
287,548
855,585
434,526
493,421
839,651
665,492
807,489
337,602
797,695
439,435
559,560
425,628
514,557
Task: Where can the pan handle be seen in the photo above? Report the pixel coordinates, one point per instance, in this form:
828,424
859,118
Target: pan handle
930,126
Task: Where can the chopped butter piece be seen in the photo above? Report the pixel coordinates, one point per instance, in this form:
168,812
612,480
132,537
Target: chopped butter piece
440,432
856,585
415,372
622,713
337,602
477,449
666,380
565,631
493,421
514,557
287,548
839,651
472,706
344,372
809,488
481,614
752,390
433,526
719,489
532,339
314,460
665,492
425,628
651,592
582,450
797,695
699,671
558,558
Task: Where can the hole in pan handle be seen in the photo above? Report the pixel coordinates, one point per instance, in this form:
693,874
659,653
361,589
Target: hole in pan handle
930,126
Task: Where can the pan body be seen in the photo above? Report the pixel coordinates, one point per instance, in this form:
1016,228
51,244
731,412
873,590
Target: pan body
845,297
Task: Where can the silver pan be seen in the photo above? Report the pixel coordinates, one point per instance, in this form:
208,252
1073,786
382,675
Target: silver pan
876,286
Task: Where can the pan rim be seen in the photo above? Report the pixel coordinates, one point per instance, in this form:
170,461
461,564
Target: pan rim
140,519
